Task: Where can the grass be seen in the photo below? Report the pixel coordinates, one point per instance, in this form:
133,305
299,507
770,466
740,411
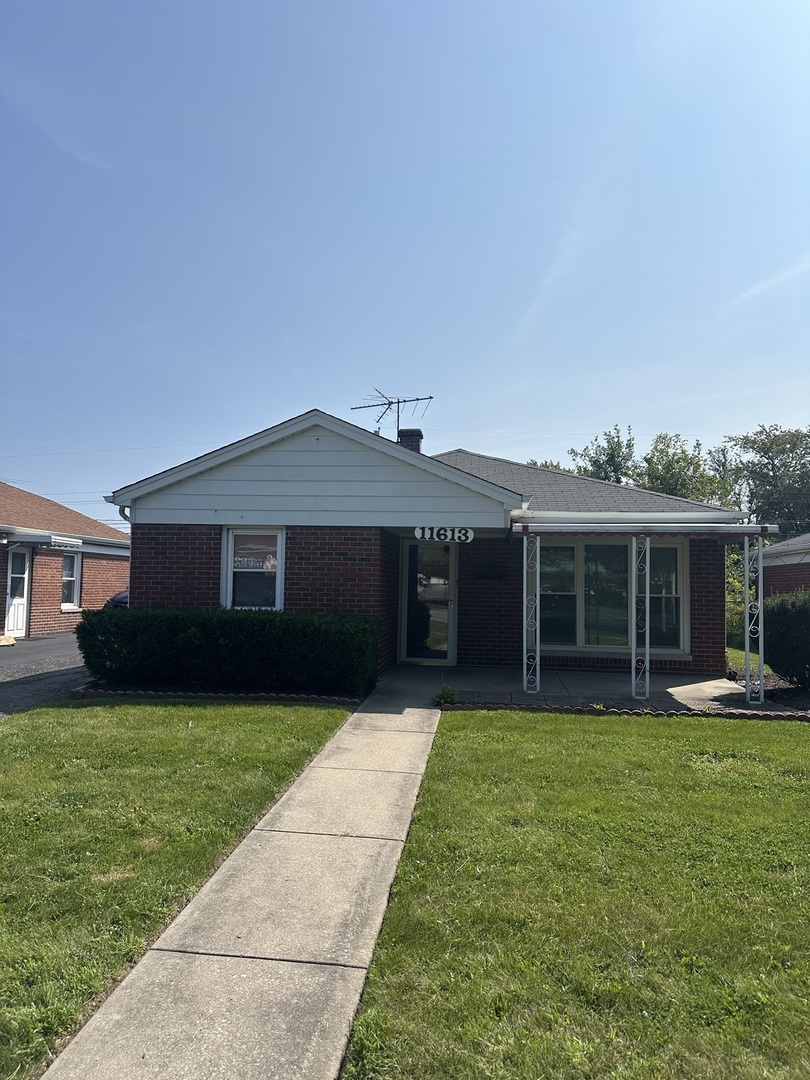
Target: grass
112,816
736,660
590,897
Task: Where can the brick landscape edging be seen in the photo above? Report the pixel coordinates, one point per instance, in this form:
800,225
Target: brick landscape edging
91,693
589,710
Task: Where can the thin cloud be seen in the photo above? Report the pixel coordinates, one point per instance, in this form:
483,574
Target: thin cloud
50,114
781,277
564,264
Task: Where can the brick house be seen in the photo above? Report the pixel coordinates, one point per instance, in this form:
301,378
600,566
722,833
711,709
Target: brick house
464,559
787,565
54,561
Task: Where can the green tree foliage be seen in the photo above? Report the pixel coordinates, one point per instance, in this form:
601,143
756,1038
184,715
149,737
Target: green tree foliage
672,468
613,459
546,463
774,467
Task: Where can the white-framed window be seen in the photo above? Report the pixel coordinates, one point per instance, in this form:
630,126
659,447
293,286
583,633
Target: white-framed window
585,594
253,573
71,582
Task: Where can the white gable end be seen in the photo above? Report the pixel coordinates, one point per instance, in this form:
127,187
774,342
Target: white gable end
322,477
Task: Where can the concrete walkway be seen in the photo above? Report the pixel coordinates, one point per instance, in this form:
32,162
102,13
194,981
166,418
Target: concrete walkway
260,975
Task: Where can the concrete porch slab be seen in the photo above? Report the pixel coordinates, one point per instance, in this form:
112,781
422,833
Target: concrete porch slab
573,689
185,1017
288,896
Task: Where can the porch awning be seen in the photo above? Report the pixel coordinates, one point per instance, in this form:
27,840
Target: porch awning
646,528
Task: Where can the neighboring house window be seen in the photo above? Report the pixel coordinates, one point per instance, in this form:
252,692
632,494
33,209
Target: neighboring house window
71,581
585,595
254,577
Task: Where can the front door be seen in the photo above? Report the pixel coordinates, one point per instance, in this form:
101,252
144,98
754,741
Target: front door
19,565
428,627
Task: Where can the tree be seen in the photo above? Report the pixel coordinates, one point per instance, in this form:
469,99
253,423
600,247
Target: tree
671,468
613,460
547,464
774,465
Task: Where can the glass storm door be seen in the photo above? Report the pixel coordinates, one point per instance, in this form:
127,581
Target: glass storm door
17,598
428,633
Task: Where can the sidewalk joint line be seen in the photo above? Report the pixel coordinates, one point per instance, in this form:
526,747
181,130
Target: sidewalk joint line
339,836
388,730
355,768
382,772
270,959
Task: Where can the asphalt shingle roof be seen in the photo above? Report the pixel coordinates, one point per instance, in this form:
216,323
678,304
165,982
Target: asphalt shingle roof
796,543
553,490
24,510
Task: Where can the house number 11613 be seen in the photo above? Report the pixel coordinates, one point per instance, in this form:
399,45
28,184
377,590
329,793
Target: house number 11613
443,533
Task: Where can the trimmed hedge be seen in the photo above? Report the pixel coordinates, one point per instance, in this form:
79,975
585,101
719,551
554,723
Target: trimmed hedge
787,636
244,651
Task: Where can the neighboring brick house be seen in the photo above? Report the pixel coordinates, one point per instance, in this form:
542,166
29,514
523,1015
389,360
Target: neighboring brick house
54,561
464,559
787,565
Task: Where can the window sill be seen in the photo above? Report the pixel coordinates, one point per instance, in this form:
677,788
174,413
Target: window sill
70,607
609,651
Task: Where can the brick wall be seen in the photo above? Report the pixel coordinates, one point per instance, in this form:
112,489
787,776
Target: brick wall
346,570
787,577
331,570
490,612
490,603
101,576
356,571
707,563
175,566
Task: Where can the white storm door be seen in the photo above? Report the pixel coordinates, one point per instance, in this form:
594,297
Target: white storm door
428,628
19,574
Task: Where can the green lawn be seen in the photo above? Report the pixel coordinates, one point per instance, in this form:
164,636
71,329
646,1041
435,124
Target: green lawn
736,660
598,897
111,817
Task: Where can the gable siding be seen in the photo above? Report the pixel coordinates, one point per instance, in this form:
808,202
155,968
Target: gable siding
319,478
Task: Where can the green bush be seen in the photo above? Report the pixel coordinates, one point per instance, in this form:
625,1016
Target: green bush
787,636
244,651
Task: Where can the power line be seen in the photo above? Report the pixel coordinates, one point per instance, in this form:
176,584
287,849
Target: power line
107,450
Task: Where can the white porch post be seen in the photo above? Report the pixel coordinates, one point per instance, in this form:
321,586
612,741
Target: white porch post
531,621
640,623
753,618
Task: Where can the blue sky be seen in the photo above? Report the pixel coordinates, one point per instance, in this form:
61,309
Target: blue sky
552,215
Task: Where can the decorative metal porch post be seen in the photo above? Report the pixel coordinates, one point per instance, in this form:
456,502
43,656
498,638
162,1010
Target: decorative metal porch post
753,618
640,593
531,620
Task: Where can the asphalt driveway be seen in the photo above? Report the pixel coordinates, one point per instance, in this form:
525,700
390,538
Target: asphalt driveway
39,671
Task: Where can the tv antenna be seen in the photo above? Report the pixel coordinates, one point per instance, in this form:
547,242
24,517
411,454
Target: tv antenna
386,404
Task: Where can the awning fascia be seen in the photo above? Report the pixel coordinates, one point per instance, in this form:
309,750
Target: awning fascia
639,528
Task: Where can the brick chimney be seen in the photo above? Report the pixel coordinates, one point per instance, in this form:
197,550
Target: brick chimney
411,439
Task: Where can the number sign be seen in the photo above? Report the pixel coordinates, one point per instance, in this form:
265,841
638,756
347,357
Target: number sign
444,533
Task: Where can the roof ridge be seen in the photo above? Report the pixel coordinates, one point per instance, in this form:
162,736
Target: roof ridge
28,510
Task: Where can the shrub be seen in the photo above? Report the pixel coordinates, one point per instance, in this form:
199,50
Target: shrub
245,651
787,636
446,695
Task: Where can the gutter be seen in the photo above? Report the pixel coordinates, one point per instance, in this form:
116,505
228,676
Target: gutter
640,528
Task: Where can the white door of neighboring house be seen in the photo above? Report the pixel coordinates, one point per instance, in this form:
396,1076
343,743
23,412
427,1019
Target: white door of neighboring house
19,582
